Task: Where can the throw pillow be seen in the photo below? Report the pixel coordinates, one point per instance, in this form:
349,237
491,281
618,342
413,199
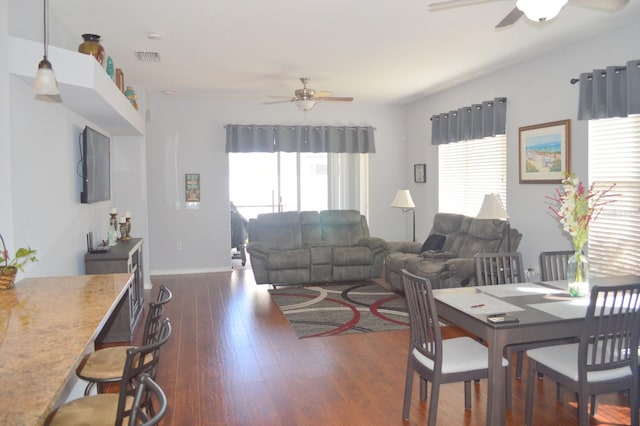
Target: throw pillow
434,242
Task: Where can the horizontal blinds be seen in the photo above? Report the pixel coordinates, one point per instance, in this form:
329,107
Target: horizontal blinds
468,170
614,157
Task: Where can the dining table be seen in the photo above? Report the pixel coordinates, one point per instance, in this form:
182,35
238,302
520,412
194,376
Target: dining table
542,311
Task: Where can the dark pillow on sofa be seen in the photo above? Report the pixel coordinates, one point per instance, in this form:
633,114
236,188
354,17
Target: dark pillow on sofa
434,242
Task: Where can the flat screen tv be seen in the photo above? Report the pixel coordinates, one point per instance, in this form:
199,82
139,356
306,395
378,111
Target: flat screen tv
96,166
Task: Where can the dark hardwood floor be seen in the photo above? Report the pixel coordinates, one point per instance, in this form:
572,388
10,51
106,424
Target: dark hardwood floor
234,360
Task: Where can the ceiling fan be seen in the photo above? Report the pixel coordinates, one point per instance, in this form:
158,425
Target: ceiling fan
535,10
306,98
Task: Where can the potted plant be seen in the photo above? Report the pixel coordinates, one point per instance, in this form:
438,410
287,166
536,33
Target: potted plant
9,266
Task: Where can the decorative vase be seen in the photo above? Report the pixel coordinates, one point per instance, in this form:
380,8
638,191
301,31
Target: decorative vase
7,277
578,275
91,46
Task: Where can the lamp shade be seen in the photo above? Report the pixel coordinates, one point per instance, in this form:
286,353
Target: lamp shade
403,200
492,208
305,104
45,83
540,10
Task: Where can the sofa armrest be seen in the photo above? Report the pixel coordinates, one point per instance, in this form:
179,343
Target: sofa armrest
460,272
403,246
258,249
438,255
375,244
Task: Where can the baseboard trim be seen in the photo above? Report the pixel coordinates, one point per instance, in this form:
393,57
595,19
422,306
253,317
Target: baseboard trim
189,271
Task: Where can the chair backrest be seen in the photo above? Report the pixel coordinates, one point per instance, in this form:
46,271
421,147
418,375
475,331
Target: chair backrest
154,316
140,360
553,265
148,389
499,268
610,336
423,318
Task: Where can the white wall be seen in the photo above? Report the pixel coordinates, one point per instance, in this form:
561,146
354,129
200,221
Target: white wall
187,135
537,91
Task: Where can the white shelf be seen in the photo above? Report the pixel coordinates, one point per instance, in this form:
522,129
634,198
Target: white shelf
85,88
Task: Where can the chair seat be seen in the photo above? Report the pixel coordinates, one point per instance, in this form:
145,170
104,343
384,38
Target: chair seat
564,360
94,410
103,365
460,354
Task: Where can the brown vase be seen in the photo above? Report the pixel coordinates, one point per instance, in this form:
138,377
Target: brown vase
91,46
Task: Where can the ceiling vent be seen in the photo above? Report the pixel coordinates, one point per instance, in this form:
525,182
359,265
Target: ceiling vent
148,56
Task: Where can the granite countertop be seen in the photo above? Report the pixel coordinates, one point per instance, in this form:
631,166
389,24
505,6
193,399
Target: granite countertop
46,325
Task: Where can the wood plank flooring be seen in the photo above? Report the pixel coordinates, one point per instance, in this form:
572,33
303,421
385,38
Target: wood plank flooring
234,360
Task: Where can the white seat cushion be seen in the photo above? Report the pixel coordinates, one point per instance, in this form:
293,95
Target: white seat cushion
460,354
564,360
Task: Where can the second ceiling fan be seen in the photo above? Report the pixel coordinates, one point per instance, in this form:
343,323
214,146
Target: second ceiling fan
535,10
306,98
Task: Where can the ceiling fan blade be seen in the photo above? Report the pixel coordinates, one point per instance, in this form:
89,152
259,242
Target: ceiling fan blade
607,5
511,18
449,4
335,98
279,102
323,94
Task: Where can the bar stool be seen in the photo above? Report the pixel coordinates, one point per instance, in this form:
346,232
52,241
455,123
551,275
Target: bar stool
105,365
115,408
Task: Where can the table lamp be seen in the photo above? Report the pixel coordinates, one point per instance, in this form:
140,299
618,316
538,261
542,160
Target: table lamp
404,201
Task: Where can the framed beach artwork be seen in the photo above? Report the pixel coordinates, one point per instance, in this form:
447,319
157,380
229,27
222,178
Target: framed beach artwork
544,152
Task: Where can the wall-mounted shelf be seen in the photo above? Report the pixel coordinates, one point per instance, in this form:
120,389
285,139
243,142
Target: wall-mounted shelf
85,88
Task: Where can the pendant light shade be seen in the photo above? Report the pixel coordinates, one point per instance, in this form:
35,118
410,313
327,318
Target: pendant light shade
45,83
541,10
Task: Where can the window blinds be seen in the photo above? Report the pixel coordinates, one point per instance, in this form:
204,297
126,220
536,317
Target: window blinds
614,157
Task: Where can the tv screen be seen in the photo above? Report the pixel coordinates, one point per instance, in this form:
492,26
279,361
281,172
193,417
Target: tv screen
96,167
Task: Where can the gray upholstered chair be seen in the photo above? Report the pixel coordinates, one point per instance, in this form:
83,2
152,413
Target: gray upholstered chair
434,359
553,265
604,360
114,408
105,365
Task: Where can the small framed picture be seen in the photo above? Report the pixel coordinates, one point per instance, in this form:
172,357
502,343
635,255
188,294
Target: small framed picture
420,173
545,152
192,187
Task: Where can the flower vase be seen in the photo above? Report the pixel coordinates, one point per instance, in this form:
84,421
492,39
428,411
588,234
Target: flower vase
578,275
91,46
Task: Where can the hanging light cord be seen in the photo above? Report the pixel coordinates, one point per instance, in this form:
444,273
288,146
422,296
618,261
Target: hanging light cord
46,30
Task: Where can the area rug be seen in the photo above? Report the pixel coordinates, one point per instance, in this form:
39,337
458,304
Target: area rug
330,310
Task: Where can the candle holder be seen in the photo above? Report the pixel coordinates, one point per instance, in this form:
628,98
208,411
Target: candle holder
128,222
112,235
123,231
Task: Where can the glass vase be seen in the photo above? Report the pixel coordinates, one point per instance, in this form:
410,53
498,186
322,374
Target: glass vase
578,275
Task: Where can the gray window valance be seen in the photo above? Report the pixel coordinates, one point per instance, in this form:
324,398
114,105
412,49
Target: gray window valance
470,122
276,138
610,92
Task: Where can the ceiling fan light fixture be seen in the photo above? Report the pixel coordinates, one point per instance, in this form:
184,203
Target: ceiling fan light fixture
305,104
540,10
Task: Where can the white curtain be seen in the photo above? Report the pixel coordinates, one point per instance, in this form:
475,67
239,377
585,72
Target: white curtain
348,182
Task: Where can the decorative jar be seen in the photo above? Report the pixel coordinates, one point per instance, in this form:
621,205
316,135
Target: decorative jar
578,275
91,46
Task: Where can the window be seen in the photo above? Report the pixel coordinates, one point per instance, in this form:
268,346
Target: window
614,157
470,169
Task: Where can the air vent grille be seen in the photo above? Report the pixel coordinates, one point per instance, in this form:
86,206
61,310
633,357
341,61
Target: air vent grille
148,56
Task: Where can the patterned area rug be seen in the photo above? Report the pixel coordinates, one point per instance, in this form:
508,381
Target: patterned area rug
331,310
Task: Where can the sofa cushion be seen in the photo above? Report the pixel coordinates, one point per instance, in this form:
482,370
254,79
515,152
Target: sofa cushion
352,256
310,227
289,259
483,236
342,227
281,231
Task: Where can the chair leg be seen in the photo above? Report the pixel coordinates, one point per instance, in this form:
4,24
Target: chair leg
528,404
408,385
559,392
520,356
593,406
583,412
508,385
423,389
433,402
467,395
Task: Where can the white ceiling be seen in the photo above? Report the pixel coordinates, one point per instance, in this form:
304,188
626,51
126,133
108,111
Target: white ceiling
374,50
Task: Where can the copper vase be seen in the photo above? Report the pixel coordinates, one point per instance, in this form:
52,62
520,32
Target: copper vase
91,46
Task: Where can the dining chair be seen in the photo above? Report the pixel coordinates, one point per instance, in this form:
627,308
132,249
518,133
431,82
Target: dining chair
114,408
604,360
147,390
105,365
438,361
553,265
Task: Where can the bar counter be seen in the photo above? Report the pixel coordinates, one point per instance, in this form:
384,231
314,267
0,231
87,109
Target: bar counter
46,325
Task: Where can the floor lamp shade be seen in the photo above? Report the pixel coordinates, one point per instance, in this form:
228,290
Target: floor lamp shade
492,208
404,201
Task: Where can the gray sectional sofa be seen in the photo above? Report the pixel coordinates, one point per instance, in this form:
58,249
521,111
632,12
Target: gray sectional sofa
313,247
453,265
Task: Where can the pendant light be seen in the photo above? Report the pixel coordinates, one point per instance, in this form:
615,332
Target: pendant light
45,83
540,10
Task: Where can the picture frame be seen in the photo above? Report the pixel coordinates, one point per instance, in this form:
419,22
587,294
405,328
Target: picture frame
192,187
544,152
420,173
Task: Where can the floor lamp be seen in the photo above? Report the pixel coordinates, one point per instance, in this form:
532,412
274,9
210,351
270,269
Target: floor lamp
492,208
404,201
